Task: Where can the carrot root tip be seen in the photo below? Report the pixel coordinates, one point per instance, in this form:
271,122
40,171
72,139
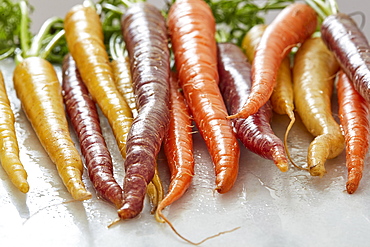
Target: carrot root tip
317,171
351,187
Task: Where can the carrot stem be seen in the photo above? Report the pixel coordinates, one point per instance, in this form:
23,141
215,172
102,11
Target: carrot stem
24,34
40,36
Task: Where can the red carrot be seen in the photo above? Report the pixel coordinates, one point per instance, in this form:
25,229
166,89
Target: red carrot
84,35
85,120
292,26
254,132
353,114
178,148
192,30
145,34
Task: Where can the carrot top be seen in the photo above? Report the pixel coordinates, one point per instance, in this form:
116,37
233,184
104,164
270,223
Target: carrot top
324,8
17,40
235,18
10,27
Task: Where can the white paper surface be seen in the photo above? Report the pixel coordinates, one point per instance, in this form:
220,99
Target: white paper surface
270,207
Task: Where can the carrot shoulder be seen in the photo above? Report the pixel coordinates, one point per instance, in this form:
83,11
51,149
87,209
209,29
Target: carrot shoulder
292,26
353,115
192,30
9,150
85,41
40,92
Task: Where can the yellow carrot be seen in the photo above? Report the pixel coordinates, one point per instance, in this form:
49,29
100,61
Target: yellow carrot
84,37
314,72
9,150
39,90
123,81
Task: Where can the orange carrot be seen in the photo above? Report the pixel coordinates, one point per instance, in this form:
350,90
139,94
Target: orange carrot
178,148
292,26
353,114
192,30
84,35
9,150
282,95
314,72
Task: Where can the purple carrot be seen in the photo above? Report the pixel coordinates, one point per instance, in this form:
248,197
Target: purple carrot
85,121
351,48
145,34
254,132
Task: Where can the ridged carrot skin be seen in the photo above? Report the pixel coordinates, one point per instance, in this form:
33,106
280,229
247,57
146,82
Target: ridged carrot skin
314,72
40,93
123,80
293,25
145,34
353,115
350,46
9,149
84,35
282,95
85,121
178,147
254,132
192,30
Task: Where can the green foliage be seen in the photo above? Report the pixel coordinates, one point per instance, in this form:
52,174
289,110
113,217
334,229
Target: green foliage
235,17
10,28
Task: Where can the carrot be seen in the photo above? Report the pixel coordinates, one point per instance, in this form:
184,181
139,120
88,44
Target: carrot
178,148
9,150
122,77
85,121
292,26
254,132
39,90
353,114
351,49
192,29
282,95
349,44
145,34
155,191
121,70
83,32
314,71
